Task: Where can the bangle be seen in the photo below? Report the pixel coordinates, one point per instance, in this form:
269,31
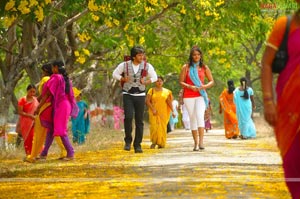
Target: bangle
268,94
268,102
268,98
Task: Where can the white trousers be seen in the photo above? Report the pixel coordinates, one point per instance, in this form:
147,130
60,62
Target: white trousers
196,108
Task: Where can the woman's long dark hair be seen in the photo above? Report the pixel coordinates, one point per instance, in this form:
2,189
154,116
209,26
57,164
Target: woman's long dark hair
63,72
195,48
243,81
230,85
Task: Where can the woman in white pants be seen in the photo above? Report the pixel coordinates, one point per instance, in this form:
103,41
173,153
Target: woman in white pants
195,98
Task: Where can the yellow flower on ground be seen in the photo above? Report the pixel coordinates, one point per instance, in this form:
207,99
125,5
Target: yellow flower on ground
39,13
223,52
227,65
86,51
9,5
198,17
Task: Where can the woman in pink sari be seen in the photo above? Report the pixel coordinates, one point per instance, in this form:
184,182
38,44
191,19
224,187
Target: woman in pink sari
283,113
26,107
64,105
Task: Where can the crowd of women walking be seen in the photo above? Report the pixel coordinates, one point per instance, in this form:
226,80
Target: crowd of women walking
46,117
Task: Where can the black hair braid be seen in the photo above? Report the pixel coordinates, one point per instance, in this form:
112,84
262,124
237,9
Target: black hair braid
67,81
243,81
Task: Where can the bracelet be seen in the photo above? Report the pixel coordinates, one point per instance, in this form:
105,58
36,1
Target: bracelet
268,98
268,102
268,94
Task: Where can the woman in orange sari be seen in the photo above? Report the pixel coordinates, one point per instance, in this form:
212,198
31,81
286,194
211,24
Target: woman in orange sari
26,107
227,105
283,113
159,102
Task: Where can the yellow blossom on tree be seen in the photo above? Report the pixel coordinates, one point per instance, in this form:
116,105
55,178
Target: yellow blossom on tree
86,51
23,7
183,10
116,22
9,5
164,4
102,8
210,52
207,13
126,27
142,40
130,40
108,23
76,53
81,59
222,60
92,6
39,13
33,3
153,2
9,20
219,3
205,3
83,37
95,17
148,9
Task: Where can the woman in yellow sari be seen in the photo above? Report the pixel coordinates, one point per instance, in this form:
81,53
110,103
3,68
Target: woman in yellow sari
159,102
227,105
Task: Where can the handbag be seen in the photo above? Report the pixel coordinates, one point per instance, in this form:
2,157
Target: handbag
281,56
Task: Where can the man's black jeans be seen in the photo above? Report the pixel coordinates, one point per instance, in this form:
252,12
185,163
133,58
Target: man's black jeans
134,106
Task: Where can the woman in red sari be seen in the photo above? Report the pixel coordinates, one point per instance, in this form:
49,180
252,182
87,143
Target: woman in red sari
26,107
283,113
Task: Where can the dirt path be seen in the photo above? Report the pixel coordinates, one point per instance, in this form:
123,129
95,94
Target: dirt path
225,169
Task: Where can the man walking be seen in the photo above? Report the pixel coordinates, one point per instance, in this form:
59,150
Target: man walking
134,74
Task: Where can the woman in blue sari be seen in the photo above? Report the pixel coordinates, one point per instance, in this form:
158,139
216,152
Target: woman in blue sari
244,101
80,124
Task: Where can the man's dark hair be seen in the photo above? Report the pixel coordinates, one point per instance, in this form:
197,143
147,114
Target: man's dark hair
136,50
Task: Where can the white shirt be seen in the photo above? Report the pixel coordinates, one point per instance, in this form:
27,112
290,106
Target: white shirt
120,69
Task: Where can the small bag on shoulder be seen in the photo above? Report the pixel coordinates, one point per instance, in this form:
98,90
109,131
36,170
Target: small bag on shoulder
281,56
